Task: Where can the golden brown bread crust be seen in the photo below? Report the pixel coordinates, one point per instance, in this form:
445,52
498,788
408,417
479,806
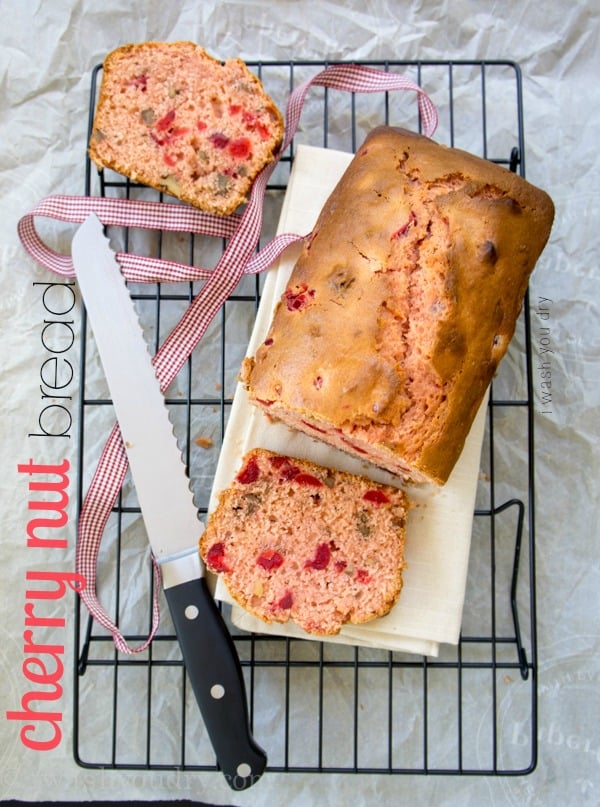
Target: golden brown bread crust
402,304
173,117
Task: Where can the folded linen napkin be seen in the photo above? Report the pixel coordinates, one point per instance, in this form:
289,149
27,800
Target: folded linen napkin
439,525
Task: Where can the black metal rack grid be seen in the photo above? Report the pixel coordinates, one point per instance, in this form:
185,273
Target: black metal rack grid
473,709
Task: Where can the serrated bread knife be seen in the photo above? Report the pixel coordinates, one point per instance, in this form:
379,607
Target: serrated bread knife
166,502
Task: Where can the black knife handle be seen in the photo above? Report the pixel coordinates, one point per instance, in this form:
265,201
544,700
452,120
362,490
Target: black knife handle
215,673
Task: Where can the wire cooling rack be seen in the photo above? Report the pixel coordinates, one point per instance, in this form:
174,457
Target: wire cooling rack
321,707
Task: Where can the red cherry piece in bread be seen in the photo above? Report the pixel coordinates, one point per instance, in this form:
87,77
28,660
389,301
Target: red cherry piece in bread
286,602
219,140
240,148
298,298
376,496
308,479
321,558
164,123
249,473
215,558
412,219
140,82
270,559
285,467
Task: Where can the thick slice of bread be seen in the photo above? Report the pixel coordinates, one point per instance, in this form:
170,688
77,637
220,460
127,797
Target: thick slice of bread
295,540
171,116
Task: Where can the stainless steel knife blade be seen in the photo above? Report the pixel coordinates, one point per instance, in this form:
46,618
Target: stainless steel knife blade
166,501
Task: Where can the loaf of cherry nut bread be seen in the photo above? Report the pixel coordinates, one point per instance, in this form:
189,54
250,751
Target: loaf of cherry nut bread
402,304
295,540
171,116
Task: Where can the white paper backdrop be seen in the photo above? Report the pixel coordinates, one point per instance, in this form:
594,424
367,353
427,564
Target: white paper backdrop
48,50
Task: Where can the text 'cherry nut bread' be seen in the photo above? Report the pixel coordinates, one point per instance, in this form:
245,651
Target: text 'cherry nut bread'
295,540
171,116
402,304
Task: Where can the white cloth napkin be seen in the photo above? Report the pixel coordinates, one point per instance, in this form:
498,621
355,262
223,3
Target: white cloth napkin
439,525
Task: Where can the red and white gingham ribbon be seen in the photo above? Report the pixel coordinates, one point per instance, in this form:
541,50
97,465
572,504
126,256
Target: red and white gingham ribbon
239,257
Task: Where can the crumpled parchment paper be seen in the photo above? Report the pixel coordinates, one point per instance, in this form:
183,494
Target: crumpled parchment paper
48,51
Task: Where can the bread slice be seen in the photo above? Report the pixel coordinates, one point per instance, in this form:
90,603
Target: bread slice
295,540
171,116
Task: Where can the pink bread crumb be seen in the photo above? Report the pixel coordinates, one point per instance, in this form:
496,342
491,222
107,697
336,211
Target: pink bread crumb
175,118
295,540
